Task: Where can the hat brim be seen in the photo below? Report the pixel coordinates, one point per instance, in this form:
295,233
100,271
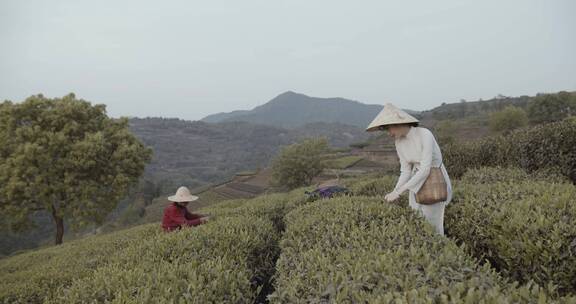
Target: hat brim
184,199
377,128
390,115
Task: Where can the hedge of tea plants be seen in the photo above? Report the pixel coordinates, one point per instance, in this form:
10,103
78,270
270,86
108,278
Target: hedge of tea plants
546,146
213,263
36,276
524,226
343,250
359,250
520,222
226,261
490,175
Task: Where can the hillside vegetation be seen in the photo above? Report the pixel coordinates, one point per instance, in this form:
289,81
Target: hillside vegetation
199,153
544,147
510,231
543,107
347,249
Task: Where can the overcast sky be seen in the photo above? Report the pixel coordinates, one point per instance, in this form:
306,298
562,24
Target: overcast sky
188,59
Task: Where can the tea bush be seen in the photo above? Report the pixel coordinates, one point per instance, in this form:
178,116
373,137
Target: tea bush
375,187
214,263
35,276
488,175
358,250
523,227
271,206
371,186
546,146
267,206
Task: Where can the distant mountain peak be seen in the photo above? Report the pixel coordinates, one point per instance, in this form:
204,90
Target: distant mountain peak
288,96
291,110
290,93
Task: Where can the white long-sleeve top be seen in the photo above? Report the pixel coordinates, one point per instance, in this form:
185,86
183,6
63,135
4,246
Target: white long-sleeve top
418,152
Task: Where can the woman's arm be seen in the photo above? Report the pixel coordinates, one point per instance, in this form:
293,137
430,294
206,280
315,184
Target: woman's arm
192,216
181,219
405,171
428,143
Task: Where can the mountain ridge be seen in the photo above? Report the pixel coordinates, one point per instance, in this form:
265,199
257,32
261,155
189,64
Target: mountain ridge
292,110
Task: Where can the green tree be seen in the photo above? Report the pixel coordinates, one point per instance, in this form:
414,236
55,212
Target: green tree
299,163
508,119
64,156
552,107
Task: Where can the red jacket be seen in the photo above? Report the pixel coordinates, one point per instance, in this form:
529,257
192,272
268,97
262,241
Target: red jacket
176,216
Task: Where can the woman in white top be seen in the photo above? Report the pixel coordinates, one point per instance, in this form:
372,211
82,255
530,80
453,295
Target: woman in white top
418,152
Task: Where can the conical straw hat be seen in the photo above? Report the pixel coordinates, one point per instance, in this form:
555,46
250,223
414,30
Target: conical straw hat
390,115
182,195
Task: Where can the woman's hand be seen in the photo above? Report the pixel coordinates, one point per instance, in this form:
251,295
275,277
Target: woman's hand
392,196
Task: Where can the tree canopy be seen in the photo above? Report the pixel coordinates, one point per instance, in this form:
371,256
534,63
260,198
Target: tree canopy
299,163
67,157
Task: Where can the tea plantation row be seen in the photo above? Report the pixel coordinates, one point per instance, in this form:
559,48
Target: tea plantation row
343,250
358,250
224,261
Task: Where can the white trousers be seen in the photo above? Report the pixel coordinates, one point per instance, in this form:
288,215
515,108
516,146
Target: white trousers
434,214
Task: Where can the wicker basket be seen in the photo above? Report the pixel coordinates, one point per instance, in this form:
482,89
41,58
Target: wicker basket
434,189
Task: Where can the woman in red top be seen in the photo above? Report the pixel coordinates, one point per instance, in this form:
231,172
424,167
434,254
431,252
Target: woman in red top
176,215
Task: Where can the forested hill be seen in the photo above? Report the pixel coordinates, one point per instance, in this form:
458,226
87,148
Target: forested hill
205,152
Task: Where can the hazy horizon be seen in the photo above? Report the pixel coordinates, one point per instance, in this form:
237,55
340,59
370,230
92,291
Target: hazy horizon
190,59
